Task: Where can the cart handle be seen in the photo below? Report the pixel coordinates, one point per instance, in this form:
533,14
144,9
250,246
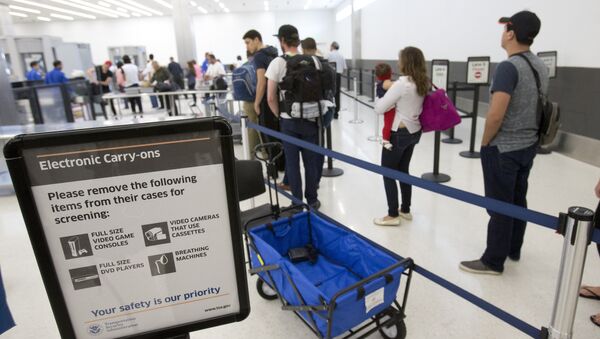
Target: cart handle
263,269
408,262
266,147
289,208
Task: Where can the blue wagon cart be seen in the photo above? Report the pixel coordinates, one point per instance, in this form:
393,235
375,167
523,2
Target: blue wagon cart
338,282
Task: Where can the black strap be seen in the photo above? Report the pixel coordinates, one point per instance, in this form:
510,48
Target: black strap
538,83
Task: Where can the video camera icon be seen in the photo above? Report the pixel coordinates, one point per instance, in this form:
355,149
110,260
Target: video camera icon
156,234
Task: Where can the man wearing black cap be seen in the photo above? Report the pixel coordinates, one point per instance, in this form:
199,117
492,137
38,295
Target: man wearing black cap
304,129
510,139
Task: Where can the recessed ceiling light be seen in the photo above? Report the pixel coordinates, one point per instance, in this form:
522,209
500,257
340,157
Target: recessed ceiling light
133,5
308,4
136,14
24,9
201,9
103,4
43,18
164,3
57,9
222,5
193,3
99,9
60,16
87,7
22,15
226,10
121,9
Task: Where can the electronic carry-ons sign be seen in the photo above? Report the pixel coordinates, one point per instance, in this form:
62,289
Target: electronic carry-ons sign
135,228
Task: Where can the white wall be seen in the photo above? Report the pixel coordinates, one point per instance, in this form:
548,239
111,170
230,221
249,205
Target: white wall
458,29
343,32
218,33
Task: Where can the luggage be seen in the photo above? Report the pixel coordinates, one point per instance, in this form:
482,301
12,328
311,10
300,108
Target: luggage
244,82
438,114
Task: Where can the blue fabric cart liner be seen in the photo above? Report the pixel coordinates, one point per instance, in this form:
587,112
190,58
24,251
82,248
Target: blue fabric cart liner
344,259
6,320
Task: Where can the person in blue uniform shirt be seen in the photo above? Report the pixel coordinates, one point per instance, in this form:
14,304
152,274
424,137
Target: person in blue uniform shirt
56,76
34,73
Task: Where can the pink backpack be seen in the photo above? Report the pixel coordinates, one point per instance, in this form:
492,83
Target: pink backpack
439,114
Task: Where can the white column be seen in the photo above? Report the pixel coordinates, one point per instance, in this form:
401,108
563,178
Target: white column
185,37
356,37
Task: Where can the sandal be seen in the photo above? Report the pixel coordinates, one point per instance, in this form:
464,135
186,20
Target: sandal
594,296
593,319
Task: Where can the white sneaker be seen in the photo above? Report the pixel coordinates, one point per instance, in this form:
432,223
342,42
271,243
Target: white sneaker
389,222
406,216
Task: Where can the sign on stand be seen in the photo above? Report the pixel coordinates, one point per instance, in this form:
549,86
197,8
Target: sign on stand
440,73
135,228
550,59
478,70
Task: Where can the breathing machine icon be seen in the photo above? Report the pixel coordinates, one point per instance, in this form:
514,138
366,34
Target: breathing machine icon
75,247
161,262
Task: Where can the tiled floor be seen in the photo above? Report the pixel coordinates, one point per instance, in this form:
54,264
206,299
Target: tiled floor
444,232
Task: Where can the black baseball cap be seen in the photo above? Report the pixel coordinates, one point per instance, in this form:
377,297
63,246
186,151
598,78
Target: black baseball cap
288,33
525,24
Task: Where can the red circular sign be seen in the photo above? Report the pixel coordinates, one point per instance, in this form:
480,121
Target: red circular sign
477,75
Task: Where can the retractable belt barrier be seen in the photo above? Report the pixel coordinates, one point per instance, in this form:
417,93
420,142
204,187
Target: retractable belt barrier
498,206
471,198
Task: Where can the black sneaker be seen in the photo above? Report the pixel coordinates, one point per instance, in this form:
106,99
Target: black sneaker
514,257
315,205
478,267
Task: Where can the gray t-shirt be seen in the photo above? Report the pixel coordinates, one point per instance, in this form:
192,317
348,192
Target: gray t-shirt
514,76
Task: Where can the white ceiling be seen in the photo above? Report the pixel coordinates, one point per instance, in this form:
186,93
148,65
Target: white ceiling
67,10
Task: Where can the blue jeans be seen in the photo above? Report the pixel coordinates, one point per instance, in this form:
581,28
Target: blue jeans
154,101
398,158
307,131
505,178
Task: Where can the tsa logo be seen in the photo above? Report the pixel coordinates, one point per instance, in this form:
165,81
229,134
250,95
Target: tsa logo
95,329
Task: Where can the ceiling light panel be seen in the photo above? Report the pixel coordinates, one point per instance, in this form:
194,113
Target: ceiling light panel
20,15
103,4
60,16
43,18
24,9
135,4
54,8
164,4
202,9
100,8
129,7
87,7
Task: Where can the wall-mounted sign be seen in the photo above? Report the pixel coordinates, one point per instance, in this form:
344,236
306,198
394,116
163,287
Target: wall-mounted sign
550,59
440,70
478,70
135,228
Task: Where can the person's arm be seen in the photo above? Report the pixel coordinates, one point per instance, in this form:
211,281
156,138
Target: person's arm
261,86
272,98
389,99
495,116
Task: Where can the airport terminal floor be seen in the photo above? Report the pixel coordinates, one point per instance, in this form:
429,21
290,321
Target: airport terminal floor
443,233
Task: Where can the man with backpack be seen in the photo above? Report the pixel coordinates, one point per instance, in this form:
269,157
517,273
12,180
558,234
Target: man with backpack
296,94
510,139
262,57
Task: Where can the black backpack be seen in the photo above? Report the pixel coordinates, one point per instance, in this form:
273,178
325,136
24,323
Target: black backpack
308,79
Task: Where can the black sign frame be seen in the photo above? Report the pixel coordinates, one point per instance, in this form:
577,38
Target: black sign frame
551,54
441,62
476,59
13,152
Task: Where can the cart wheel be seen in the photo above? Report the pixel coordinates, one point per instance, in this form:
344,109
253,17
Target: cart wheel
396,330
265,290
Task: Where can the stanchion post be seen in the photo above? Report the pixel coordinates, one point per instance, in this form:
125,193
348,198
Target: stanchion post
360,82
330,171
356,119
576,226
451,139
374,92
245,138
436,176
348,72
471,154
